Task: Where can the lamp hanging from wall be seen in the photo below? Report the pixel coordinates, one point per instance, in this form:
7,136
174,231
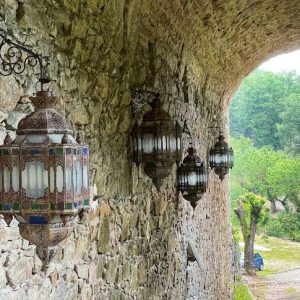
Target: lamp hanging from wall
221,157
156,142
192,175
44,171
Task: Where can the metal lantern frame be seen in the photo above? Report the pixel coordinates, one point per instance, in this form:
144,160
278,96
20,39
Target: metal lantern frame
192,174
44,171
156,142
221,157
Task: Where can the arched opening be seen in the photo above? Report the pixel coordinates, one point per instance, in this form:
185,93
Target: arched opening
265,128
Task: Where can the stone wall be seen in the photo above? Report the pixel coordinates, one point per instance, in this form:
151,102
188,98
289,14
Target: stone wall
133,244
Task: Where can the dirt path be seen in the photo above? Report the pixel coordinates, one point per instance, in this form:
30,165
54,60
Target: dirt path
279,286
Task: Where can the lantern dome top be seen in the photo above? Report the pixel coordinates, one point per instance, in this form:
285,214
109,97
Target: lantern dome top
192,158
221,144
45,119
156,113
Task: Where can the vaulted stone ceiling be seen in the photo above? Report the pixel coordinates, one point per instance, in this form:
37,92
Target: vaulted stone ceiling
225,39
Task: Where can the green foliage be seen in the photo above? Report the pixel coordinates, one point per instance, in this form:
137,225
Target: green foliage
260,108
241,291
254,206
289,127
272,174
285,225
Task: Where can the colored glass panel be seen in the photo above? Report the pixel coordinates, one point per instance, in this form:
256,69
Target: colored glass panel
5,152
37,220
16,206
59,151
69,206
7,206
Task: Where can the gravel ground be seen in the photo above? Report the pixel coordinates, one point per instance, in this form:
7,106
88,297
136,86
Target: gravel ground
279,286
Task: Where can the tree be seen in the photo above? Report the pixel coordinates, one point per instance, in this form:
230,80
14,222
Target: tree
256,107
264,171
289,127
250,211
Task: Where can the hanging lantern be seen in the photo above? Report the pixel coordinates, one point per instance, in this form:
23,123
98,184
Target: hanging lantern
192,177
44,171
221,157
44,177
156,143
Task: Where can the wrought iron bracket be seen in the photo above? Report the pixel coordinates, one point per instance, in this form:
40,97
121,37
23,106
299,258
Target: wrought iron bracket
140,98
14,58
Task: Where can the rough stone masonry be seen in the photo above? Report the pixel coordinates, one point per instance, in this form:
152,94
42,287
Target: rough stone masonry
133,245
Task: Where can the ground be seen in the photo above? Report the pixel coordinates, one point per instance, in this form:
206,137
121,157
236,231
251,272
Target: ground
281,277
282,286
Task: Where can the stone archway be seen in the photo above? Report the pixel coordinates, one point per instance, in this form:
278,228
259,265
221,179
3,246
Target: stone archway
195,53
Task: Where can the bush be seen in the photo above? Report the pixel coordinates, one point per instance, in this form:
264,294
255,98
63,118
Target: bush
284,225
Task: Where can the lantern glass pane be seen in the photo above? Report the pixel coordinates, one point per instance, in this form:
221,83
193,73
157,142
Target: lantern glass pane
85,176
179,143
39,177
74,179
192,179
1,178
33,176
148,143
15,178
24,179
164,143
173,144
45,179
79,177
51,180
6,179
68,178
59,179
36,138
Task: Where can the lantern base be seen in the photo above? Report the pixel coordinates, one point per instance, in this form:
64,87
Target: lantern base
221,172
193,198
45,237
157,172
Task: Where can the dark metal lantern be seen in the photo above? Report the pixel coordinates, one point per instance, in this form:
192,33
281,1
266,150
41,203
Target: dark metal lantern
192,177
221,157
44,171
156,143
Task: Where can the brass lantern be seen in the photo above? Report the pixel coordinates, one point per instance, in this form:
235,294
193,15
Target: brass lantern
192,177
44,171
156,143
221,157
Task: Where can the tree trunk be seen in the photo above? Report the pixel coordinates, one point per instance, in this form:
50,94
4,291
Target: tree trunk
249,248
273,206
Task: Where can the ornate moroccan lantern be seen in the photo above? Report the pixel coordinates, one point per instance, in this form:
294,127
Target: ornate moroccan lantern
192,177
44,172
221,157
156,143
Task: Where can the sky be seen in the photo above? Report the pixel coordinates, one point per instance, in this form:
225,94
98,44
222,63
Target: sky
285,62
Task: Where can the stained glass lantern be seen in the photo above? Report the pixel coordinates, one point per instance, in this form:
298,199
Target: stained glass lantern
44,177
156,143
221,157
192,177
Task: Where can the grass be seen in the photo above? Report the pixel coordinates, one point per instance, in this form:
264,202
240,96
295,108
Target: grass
241,291
284,255
280,255
291,290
